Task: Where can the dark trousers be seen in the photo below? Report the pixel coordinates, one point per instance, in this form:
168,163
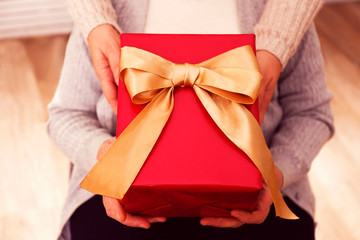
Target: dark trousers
91,222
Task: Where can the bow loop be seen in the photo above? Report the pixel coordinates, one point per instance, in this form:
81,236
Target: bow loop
228,83
221,75
222,84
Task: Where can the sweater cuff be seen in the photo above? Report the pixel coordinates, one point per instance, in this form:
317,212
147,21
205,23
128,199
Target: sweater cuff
288,164
273,43
283,24
294,161
89,14
87,28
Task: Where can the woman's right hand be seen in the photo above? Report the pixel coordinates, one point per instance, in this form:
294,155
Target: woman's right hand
115,210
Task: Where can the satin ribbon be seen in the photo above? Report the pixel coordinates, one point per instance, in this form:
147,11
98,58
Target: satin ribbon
223,84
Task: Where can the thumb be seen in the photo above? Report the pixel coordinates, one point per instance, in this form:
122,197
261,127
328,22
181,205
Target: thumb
110,87
264,101
262,107
114,61
114,209
104,72
105,147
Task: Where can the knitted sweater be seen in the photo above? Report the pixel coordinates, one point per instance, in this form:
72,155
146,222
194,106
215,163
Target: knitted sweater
279,30
297,123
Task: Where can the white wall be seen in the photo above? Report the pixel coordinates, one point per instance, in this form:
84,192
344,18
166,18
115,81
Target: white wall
339,1
24,18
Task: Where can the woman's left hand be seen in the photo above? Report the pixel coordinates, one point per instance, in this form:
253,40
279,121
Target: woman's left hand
104,46
270,68
241,217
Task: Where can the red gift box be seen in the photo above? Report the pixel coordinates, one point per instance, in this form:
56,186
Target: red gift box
193,169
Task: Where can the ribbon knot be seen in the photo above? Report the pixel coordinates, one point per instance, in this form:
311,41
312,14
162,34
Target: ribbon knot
223,84
185,75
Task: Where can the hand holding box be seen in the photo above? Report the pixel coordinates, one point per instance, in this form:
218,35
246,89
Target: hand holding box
194,168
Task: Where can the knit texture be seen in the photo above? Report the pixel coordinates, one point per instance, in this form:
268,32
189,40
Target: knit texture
297,123
279,30
88,14
283,24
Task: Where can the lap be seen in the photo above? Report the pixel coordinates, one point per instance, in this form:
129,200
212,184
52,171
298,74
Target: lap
91,222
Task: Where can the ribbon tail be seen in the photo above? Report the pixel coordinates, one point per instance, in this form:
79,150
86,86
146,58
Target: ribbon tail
242,129
114,173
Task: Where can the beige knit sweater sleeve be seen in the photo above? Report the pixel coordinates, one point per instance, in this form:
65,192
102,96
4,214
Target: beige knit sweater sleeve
88,14
279,30
283,24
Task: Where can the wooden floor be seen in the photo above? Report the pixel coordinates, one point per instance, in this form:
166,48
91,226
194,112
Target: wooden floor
336,171
33,173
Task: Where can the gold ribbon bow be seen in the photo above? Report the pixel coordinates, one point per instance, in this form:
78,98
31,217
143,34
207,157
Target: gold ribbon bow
222,84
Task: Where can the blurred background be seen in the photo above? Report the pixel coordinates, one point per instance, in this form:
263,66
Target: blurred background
33,173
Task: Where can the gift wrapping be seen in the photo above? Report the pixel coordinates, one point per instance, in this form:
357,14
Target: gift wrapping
194,169
192,165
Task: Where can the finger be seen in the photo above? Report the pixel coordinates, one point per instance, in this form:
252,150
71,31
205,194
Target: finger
112,53
105,147
108,143
136,221
114,61
255,217
270,68
259,214
106,77
110,91
114,209
262,110
221,222
264,101
262,98
265,94
156,219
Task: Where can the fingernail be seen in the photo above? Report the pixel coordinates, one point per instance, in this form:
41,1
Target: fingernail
204,223
118,217
121,217
160,219
144,226
234,213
